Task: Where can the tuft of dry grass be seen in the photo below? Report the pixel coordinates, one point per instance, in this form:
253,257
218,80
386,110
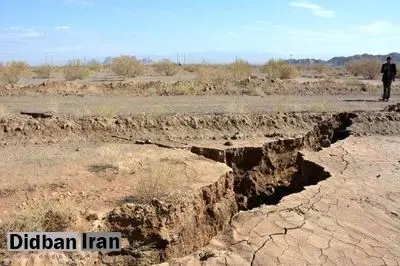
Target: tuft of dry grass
43,71
319,68
42,216
209,73
191,68
127,66
279,69
369,68
166,67
240,69
160,181
2,110
13,71
74,70
107,111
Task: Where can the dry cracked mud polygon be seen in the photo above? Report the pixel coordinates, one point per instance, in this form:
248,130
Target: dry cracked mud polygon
351,218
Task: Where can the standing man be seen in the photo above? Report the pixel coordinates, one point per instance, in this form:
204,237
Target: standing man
389,73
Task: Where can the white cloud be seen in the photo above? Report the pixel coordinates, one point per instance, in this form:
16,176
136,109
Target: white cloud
316,9
63,27
378,28
19,32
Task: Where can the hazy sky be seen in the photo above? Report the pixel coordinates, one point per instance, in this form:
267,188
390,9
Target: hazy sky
215,29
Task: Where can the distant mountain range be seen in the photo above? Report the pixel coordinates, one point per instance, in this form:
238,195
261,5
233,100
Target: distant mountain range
341,60
257,58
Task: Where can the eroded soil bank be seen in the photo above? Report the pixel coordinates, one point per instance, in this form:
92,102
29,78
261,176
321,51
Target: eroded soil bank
161,229
256,86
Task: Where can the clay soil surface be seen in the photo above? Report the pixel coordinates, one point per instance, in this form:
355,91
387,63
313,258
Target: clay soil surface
352,218
292,179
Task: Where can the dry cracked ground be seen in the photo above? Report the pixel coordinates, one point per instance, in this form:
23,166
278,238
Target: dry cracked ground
351,218
197,183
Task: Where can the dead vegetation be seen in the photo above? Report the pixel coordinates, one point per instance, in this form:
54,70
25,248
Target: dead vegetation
43,71
368,68
166,67
212,73
319,68
160,181
240,69
13,71
95,66
41,216
279,69
127,66
75,69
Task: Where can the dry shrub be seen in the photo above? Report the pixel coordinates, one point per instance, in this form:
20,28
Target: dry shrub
369,68
190,68
162,180
43,71
158,181
107,110
181,88
13,71
240,69
166,67
354,67
95,66
279,69
319,68
209,73
127,66
42,216
74,70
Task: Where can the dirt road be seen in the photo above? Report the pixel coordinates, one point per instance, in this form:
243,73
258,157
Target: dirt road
114,105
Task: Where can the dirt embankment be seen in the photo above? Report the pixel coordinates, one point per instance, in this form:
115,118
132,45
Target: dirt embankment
182,129
34,128
261,174
258,86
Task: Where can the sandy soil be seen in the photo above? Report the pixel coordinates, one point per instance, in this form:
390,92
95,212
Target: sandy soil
122,105
98,177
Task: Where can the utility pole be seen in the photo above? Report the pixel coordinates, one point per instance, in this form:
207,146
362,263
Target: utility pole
177,57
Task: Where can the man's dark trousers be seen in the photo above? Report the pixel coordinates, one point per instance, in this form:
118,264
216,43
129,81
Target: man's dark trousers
387,83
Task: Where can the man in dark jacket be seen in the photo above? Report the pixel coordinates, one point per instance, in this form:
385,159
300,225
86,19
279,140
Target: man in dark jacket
389,73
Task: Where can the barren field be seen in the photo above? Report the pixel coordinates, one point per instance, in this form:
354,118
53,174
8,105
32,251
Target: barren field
248,172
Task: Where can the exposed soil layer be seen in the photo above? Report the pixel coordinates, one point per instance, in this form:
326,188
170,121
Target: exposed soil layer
351,218
261,174
184,129
257,86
